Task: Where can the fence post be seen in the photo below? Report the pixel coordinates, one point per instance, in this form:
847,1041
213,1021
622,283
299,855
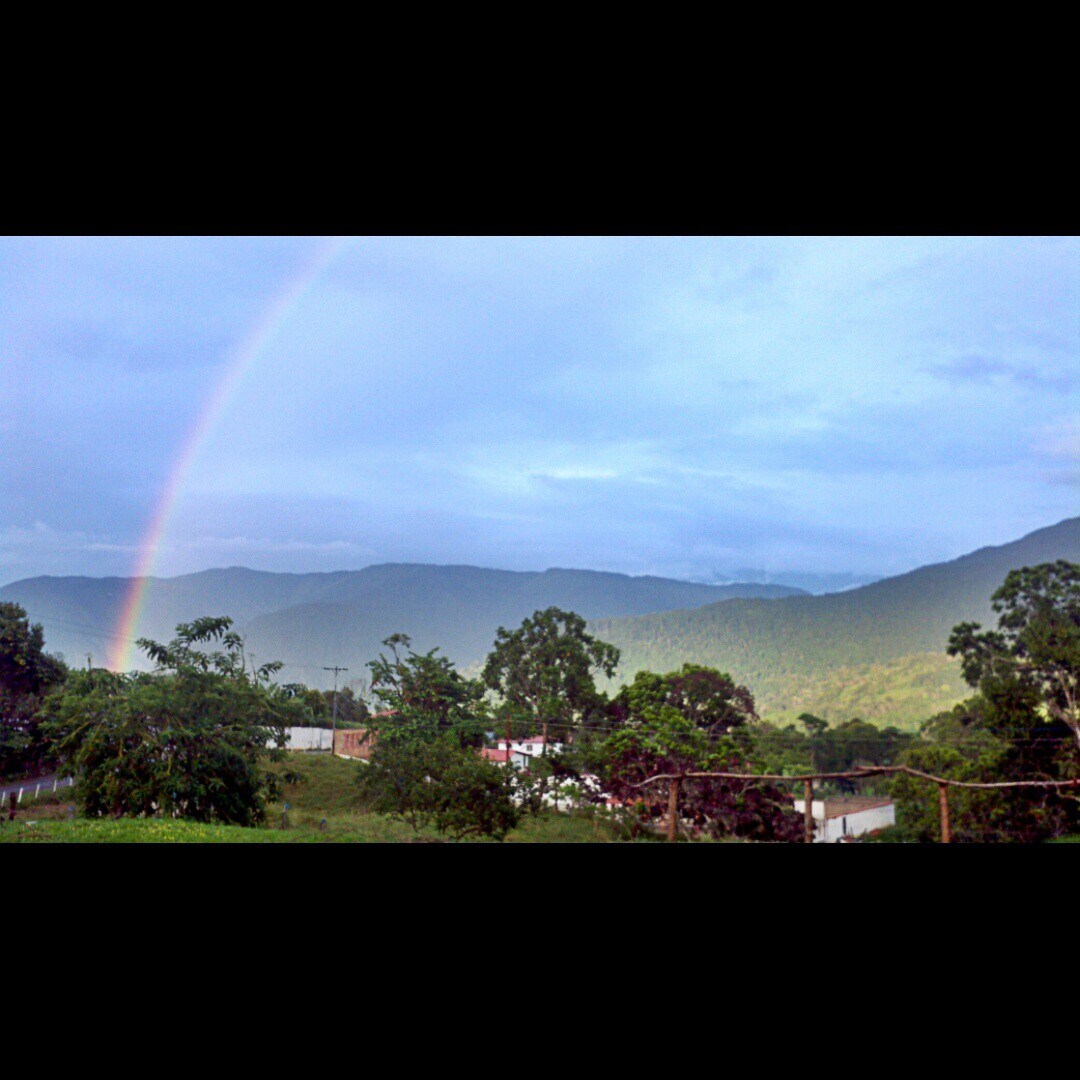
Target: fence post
808,816
943,798
56,780
673,809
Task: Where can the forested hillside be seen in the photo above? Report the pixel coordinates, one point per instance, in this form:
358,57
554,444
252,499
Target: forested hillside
876,651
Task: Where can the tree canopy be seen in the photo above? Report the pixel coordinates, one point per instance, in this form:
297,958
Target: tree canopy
1036,644
545,671
1021,724
27,673
186,740
424,697
691,720
442,784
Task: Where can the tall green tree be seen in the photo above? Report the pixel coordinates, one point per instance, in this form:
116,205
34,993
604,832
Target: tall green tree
423,697
27,674
544,673
1022,724
189,739
1037,643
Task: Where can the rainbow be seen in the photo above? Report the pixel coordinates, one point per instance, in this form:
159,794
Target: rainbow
237,365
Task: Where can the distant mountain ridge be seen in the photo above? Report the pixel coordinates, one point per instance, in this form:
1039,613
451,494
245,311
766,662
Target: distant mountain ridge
878,649
311,620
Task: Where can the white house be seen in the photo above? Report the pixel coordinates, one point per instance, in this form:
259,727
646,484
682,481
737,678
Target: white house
518,758
534,744
848,815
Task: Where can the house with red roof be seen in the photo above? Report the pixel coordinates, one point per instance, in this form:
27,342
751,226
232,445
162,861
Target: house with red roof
518,758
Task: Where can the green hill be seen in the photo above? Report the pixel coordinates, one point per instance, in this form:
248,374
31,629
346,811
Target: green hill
877,651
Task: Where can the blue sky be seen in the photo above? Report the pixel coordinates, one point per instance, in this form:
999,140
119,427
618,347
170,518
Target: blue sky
677,406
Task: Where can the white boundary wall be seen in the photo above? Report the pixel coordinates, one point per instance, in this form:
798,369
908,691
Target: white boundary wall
832,830
310,738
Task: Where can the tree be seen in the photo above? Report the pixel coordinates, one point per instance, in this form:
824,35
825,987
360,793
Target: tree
821,749
544,672
352,711
27,674
318,705
692,720
970,743
442,784
709,700
1022,724
1037,643
814,725
424,697
187,740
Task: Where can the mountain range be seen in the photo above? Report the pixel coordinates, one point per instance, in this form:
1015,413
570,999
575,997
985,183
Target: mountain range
314,620
876,651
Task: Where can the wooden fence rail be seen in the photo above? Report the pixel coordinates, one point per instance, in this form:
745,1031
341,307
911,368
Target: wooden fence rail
943,783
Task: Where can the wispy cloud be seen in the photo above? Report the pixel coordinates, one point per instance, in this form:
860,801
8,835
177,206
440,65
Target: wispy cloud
985,370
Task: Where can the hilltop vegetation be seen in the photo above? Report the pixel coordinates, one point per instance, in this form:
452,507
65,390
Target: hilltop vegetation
876,651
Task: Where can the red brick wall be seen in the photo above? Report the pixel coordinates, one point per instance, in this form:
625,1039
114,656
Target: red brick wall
355,743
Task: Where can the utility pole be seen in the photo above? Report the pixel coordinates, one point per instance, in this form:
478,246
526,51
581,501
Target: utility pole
333,733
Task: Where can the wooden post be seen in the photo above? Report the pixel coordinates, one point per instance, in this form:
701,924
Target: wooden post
808,816
943,795
673,810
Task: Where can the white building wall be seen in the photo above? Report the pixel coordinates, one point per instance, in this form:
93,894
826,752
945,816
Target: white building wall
527,747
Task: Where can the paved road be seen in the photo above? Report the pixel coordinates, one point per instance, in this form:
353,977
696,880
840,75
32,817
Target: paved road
28,786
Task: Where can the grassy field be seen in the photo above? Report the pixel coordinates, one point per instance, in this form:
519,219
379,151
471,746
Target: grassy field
323,808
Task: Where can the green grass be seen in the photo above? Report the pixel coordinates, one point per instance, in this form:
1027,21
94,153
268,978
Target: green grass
324,807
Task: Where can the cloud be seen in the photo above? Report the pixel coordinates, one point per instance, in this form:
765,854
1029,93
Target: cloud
984,370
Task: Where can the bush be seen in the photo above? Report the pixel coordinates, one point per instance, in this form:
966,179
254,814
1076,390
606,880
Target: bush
440,784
